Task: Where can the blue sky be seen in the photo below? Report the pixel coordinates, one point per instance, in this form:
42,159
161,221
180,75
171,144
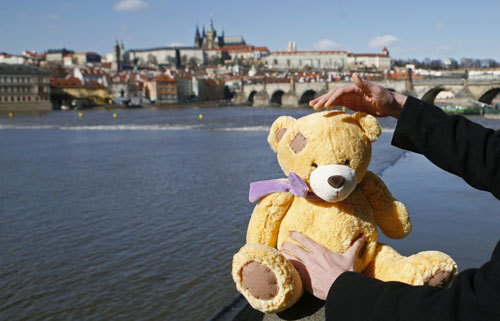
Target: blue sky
409,29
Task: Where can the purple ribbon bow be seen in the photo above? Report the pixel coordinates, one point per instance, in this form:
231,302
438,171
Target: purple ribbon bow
294,185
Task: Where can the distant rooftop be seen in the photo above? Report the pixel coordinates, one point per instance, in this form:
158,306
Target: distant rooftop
21,70
166,48
63,51
234,40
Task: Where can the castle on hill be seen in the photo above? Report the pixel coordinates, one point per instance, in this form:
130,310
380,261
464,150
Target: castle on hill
210,39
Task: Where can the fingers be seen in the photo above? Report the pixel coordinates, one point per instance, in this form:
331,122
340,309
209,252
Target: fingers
319,102
367,87
355,248
295,250
333,98
358,81
306,242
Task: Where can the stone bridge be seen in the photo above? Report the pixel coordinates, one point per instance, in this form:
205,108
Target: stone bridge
292,94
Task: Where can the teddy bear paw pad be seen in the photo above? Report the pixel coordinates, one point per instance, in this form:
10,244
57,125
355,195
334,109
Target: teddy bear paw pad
259,280
440,279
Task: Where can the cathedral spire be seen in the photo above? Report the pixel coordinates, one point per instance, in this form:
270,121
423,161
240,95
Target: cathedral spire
211,27
197,38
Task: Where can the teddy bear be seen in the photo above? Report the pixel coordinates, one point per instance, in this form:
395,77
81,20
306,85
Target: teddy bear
330,196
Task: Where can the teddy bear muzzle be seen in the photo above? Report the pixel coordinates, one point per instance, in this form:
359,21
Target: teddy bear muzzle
333,183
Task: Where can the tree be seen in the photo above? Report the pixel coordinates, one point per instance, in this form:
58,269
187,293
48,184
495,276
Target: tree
55,69
152,59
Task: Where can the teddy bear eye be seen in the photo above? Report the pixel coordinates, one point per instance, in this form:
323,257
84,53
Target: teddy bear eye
314,165
347,162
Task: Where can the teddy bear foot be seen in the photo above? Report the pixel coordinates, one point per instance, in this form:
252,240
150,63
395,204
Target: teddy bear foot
259,280
266,278
438,269
441,279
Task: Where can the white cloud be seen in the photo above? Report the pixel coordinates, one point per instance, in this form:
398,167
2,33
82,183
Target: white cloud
383,41
123,28
54,16
131,5
440,25
176,44
326,44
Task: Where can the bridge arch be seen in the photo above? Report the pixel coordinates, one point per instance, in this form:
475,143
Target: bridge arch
307,96
276,97
250,97
431,94
488,96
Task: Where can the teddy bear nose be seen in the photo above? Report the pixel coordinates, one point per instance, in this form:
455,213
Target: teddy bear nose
336,181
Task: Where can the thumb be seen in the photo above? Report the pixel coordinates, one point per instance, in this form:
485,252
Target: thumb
364,85
355,248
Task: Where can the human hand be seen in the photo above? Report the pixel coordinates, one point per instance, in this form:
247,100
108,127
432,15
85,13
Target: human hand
363,96
318,267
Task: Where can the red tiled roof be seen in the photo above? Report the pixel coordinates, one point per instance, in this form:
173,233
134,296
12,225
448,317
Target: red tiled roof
367,55
65,82
73,82
163,78
244,48
92,72
308,51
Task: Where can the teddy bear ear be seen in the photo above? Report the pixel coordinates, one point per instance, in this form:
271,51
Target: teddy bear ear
369,124
278,129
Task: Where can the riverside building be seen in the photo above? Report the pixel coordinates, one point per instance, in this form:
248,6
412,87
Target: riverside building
24,88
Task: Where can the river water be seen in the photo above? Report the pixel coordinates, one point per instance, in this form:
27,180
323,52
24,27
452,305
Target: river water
137,217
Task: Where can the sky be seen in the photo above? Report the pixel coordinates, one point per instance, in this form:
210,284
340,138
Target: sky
435,29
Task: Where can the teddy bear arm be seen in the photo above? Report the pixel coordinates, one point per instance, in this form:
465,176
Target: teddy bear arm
390,214
266,218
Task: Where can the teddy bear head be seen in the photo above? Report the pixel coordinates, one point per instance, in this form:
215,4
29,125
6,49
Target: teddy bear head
330,151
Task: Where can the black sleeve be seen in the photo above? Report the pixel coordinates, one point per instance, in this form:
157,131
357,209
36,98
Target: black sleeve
453,143
474,295
466,149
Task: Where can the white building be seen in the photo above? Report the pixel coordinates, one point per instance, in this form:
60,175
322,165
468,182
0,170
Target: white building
336,60
380,61
165,55
312,59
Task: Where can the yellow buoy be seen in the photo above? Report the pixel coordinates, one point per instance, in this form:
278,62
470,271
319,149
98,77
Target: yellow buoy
115,115
80,115
200,116
11,115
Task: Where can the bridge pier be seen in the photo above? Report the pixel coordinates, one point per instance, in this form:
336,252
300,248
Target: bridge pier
289,99
240,98
261,99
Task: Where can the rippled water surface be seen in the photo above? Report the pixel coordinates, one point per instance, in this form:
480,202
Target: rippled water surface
135,217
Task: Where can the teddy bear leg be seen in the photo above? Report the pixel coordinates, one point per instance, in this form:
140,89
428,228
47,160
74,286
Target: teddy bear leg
425,268
266,278
437,268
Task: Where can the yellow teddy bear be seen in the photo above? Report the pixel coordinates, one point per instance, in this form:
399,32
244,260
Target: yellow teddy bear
332,198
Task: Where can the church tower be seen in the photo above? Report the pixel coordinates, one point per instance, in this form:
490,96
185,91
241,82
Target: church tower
211,34
118,56
197,38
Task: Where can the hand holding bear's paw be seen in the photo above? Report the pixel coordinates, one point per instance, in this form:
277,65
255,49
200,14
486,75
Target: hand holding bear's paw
318,267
